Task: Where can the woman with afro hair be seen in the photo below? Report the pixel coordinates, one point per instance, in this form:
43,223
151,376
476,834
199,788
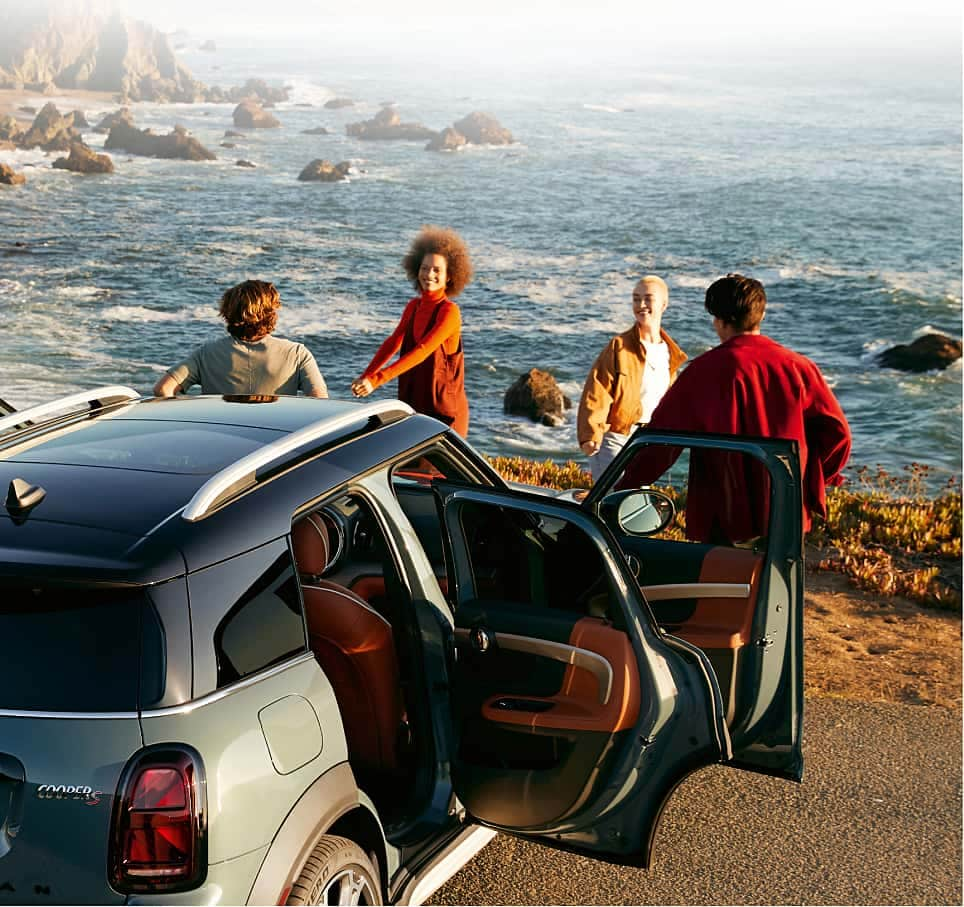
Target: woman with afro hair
430,367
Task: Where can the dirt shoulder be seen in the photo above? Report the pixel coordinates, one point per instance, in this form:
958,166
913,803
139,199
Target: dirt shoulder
860,645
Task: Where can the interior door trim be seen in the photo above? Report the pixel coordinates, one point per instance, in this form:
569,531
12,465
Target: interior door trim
598,666
670,591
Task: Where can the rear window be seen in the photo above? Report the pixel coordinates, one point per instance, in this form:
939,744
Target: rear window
193,448
74,649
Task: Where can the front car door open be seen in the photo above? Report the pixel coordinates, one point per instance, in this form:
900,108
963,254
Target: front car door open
576,716
731,582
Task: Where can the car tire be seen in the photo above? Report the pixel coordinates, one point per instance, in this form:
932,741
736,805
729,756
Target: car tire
337,872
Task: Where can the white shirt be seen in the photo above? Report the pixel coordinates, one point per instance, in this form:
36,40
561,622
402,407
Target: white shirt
655,381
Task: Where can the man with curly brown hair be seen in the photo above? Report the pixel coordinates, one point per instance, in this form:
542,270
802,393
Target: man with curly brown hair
430,367
249,360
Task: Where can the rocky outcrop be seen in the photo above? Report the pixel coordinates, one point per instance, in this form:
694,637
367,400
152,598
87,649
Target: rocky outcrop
176,144
338,103
254,89
84,160
113,119
387,125
448,139
931,351
537,396
474,129
50,131
320,171
10,129
318,130
78,120
483,129
10,177
90,45
246,164
249,114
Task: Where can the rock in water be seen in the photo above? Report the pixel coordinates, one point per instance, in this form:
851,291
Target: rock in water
321,171
537,396
338,103
483,129
50,131
249,114
10,177
83,160
448,139
176,144
387,125
932,351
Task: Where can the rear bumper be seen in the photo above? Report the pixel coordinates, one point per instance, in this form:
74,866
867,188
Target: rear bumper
228,882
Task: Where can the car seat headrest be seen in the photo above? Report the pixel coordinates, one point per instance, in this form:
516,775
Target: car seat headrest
312,545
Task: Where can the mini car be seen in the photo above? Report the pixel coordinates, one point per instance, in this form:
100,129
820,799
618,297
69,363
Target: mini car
269,650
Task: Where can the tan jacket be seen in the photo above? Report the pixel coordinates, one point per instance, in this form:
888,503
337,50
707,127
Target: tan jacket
610,397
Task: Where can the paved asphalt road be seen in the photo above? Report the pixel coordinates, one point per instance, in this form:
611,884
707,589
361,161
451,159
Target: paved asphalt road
877,820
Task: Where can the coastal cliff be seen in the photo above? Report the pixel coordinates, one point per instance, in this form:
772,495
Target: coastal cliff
68,44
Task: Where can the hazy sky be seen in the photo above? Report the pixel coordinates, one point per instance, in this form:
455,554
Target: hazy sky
627,24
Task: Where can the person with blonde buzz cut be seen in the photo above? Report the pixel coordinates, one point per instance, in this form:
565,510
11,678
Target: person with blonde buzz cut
628,378
249,361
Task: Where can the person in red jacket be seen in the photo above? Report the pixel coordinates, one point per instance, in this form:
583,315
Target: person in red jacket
430,367
748,385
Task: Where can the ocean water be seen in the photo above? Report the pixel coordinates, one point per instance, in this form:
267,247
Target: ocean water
841,193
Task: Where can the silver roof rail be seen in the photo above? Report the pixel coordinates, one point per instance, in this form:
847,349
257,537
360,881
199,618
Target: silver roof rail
239,476
95,398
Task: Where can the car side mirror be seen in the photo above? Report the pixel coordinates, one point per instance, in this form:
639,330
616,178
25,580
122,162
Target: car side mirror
638,511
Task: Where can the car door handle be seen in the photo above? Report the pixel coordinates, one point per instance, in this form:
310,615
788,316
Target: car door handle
481,640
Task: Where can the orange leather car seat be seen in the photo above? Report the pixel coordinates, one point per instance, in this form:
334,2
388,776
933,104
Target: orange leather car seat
355,647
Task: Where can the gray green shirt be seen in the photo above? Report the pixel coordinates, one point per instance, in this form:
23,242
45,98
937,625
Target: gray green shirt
269,366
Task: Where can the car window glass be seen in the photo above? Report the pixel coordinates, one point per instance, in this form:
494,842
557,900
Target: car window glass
722,497
70,649
534,560
263,628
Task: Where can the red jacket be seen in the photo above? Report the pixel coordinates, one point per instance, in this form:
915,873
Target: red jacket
750,385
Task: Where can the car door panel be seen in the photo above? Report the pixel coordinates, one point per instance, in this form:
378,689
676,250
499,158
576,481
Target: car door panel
754,641
558,706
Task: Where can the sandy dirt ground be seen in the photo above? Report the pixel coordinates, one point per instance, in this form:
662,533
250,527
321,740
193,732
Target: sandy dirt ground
859,645
13,102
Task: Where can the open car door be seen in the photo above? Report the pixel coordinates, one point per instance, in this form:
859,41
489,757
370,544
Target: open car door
576,716
727,577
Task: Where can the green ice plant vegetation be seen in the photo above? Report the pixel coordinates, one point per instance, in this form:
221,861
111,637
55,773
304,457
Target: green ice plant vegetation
889,534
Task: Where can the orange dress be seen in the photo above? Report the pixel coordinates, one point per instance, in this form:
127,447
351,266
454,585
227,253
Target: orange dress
431,364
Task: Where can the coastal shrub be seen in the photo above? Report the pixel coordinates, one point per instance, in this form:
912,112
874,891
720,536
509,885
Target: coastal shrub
892,534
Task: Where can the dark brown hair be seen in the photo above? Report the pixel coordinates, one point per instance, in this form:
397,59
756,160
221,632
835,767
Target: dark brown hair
250,309
432,240
737,301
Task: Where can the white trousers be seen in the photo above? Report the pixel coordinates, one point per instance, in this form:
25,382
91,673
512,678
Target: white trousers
612,442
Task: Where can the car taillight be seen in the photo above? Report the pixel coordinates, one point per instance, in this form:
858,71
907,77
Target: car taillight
159,839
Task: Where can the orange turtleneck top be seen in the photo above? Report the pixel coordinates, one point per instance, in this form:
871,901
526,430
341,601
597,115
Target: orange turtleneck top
444,333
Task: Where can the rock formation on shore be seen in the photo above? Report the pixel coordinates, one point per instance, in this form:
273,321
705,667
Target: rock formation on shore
69,45
50,131
321,171
931,351
177,144
338,103
387,125
10,177
537,396
84,160
249,114
475,129
317,130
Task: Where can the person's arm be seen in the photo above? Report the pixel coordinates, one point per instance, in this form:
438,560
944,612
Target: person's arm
179,378
827,430
365,383
310,380
166,387
596,401
448,325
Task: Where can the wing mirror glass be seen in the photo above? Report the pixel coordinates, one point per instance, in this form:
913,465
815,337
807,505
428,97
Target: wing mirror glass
639,511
